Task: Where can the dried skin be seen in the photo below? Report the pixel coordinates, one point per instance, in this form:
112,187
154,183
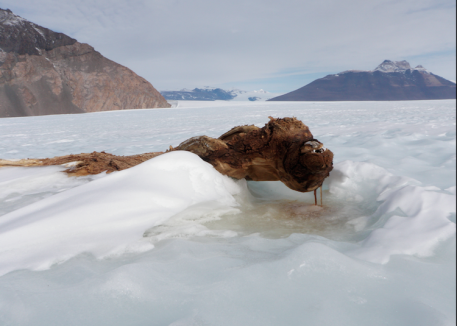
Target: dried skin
87,163
283,150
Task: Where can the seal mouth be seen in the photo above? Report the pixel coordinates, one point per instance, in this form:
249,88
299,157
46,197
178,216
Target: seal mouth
320,150
312,146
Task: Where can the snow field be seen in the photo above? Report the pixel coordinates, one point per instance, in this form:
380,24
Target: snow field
173,242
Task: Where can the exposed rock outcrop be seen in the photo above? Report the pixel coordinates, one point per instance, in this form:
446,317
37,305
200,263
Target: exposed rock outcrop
390,81
43,72
283,150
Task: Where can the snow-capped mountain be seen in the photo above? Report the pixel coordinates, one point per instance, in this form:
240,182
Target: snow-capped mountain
395,66
389,81
24,37
208,93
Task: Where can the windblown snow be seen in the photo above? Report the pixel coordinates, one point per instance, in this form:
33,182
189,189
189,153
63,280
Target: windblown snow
173,242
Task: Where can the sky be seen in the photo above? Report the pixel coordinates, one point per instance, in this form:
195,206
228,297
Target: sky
274,45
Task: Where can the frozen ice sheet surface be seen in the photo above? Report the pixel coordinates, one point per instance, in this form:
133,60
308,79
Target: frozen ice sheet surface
300,280
409,138
172,243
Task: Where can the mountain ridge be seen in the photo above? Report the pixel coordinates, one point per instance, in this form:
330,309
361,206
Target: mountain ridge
44,72
389,81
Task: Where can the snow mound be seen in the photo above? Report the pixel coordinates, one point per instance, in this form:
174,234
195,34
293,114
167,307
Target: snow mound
108,216
411,220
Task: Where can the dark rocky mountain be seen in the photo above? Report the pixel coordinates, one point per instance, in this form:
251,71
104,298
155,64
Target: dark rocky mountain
390,81
44,72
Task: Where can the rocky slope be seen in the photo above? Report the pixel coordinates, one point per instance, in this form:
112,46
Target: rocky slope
390,81
43,72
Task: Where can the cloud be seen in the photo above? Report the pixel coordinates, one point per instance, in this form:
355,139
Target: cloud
187,43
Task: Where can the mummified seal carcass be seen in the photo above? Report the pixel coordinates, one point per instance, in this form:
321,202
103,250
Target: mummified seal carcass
283,150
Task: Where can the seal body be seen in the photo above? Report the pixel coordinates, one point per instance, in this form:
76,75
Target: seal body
283,150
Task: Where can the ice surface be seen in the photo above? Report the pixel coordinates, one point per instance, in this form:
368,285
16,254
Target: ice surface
173,242
108,216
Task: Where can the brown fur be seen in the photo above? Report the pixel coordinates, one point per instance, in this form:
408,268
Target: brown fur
87,163
276,152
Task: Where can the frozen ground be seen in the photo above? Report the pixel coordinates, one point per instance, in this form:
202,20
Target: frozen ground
173,242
